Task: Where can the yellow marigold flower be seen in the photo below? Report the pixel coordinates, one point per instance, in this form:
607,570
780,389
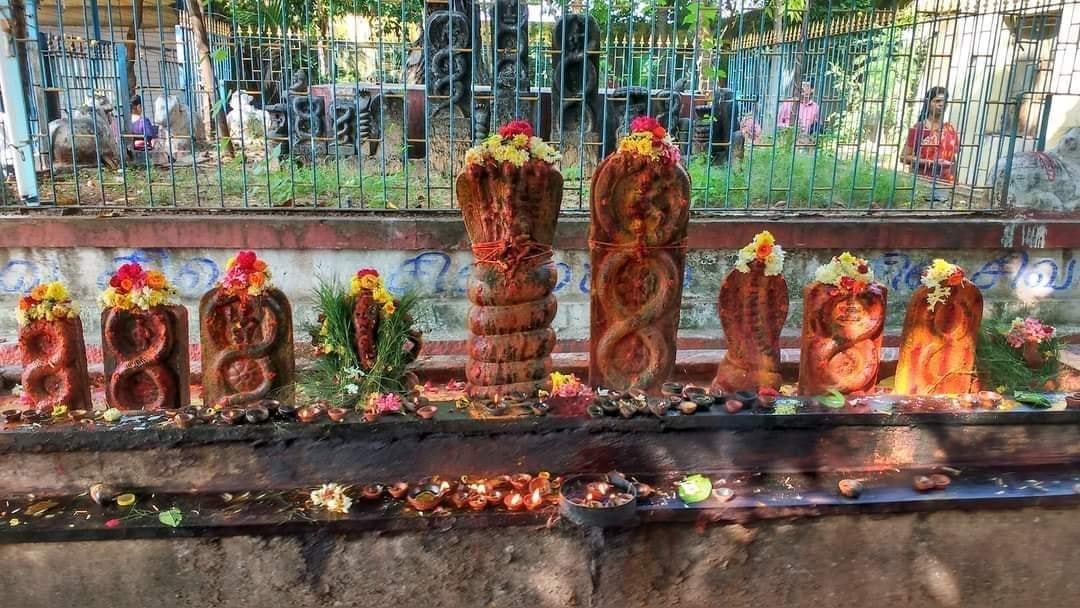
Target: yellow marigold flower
56,291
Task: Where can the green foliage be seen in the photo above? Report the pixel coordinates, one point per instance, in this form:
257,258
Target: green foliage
336,376
1002,367
803,176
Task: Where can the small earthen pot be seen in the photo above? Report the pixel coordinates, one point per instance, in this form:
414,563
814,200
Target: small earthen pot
29,416
850,488
337,414
1072,401
257,414
398,489
922,483
671,388
478,502
308,414
610,407
232,415
520,481
12,415
77,415
941,481
183,420
459,499
687,407
989,399
425,497
514,501
207,414
372,491
748,398
427,412
594,411
733,406
690,391
286,411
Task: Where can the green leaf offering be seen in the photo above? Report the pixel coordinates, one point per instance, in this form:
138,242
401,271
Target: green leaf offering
172,517
1036,400
694,488
834,399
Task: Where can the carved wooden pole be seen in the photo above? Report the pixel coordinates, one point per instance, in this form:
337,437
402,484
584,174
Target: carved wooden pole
843,319
640,208
510,209
937,346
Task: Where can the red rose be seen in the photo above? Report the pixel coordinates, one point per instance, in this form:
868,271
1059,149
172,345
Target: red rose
245,259
863,268
659,132
643,124
363,272
516,127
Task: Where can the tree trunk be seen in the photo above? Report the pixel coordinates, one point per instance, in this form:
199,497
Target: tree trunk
132,48
800,54
773,94
206,71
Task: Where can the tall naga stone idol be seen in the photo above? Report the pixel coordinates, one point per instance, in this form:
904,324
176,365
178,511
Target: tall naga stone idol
247,337
640,206
941,327
52,349
753,306
510,194
144,341
843,323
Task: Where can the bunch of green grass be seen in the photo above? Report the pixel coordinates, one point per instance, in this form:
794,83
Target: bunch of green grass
338,365
1002,366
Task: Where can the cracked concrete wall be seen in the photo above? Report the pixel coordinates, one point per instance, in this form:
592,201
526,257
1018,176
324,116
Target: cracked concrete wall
1023,558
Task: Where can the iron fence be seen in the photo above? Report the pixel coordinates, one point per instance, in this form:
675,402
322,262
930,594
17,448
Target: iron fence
370,104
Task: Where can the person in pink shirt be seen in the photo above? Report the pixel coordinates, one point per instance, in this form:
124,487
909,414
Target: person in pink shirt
808,112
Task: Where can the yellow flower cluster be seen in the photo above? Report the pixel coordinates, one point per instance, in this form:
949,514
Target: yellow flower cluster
516,150
845,270
374,284
142,299
763,248
644,143
47,301
940,277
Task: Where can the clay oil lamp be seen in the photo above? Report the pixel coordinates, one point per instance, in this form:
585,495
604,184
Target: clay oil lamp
232,415
77,415
102,493
767,398
477,502
733,406
308,414
495,496
595,411
207,414
499,482
12,415
611,406
850,488
427,412
495,407
747,398
460,498
669,389
398,489
704,402
371,491
941,481
183,420
337,414
627,408
644,490
513,501
426,497
922,483
989,399
538,408
534,500
286,411
257,414
687,407
29,416
659,407
520,481
690,391
541,484
1072,401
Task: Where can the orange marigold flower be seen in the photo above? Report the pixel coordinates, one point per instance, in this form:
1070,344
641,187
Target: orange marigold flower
155,279
257,279
260,265
764,250
25,303
38,292
126,284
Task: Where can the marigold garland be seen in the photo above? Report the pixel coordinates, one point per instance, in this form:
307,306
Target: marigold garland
940,277
649,138
246,275
847,272
48,302
134,288
368,279
514,143
763,249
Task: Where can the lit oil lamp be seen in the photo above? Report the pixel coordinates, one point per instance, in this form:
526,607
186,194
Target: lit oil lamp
478,502
520,481
534,500
459,498
398,489
371,491
514,501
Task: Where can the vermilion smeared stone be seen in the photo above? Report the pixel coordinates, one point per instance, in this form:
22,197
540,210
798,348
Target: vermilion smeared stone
937,347
753,308
54,364
841,339
247,348
146,358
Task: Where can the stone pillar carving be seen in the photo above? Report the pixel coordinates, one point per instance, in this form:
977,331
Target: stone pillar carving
247,347
510,46
451,34
307,116
54,363
753,306
146,357
574,90
640,207
941,327
843,323
510,213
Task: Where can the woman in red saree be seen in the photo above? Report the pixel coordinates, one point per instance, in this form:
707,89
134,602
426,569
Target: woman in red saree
932,143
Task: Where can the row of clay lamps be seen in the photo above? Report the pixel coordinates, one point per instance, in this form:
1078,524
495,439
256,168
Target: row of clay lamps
514,492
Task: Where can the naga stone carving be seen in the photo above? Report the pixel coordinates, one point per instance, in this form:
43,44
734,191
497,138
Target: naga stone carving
308,113
510,41
451,32
510,211
941,327
54,363
624,104
146,357
368,313
843,323
574,90
247,347
343,116
753,306
640,204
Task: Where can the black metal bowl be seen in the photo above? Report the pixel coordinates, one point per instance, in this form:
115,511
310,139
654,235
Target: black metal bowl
600,517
